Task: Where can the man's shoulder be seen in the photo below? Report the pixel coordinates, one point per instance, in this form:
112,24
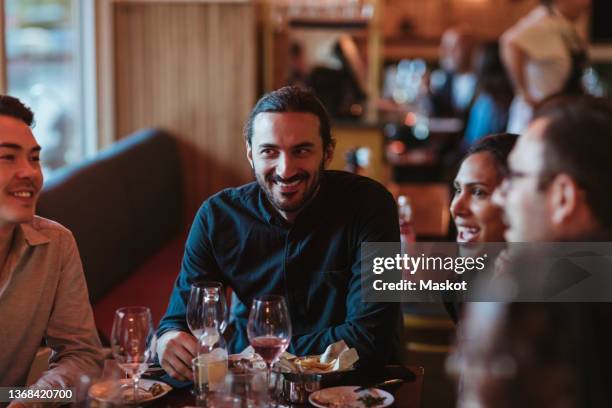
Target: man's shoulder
43,227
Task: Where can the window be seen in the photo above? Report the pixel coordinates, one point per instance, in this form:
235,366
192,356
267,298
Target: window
46,59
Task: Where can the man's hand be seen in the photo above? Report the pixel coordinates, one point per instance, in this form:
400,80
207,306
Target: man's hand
176,349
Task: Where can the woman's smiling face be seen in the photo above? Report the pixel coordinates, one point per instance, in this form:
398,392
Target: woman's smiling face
476,217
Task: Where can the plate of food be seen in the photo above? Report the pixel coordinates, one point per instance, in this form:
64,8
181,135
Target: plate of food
314,365
346,397
122,391
241,363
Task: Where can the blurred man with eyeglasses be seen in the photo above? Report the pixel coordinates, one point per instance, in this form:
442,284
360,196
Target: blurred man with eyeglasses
558,188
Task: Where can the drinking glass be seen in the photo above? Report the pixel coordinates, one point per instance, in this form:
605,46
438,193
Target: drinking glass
133,342
269,328
210,364
241,390
206,308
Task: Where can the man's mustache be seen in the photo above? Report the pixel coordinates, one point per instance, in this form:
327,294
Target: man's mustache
275,178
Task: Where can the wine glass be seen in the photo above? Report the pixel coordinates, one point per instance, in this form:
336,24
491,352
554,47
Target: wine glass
206,308
133,342
269,328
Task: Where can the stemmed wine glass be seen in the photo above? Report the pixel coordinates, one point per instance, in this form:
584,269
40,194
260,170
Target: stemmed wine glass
269,328
133,342
206,308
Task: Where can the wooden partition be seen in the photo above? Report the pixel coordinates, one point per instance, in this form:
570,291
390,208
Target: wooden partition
189,67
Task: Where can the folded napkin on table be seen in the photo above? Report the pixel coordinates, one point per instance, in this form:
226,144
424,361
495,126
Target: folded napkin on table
337,357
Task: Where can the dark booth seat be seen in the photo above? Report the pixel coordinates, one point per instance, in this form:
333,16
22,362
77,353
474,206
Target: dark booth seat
124,208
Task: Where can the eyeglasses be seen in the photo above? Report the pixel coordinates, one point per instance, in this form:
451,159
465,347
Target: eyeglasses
544,178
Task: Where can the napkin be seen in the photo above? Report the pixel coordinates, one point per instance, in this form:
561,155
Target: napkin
337,357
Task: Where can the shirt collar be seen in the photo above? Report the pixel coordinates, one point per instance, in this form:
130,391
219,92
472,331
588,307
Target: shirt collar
263,206
32,236
272,217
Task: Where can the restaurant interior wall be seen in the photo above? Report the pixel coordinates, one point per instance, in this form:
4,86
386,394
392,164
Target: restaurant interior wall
188,67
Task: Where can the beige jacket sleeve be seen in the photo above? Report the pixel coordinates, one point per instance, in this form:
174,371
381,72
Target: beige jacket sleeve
71,331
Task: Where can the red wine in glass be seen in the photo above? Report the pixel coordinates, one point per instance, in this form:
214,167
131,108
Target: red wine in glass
269,328
269,347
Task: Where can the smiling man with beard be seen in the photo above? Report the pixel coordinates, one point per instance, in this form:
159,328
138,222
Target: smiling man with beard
295,232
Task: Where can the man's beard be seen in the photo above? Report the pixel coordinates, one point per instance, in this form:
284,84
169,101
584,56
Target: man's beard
267,181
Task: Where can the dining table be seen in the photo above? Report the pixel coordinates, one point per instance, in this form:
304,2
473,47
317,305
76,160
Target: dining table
407,394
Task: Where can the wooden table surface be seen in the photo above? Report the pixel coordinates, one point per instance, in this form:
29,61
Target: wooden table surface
407,395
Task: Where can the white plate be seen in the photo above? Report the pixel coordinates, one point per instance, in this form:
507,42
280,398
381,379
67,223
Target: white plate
346,397
106,391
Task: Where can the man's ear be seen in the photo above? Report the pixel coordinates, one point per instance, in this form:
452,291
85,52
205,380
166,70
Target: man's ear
249,152
565,198
328,154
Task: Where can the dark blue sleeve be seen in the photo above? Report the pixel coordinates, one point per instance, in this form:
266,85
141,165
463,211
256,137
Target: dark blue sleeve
198,265
371,328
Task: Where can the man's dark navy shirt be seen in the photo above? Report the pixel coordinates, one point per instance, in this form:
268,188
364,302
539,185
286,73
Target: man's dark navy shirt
315,263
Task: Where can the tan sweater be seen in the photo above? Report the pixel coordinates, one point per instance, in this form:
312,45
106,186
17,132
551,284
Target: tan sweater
43,295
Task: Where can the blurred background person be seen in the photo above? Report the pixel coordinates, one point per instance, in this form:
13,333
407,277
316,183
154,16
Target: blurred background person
342,87
545,56
297,67
454,84
489,111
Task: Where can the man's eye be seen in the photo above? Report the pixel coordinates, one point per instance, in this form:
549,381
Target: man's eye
7,157
266,152
35,158
457,190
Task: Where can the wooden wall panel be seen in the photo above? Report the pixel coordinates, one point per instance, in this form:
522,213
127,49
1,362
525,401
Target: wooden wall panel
189,68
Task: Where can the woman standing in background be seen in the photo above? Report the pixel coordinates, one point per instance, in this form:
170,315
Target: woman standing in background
544,56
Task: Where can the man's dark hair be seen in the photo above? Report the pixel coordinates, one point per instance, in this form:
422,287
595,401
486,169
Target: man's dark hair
578,142
11,106
498,146
291,99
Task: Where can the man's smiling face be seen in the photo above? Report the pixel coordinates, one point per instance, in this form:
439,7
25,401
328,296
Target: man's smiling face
287,156
20,174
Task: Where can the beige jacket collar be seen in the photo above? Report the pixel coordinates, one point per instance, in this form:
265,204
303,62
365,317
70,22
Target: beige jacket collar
31,235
